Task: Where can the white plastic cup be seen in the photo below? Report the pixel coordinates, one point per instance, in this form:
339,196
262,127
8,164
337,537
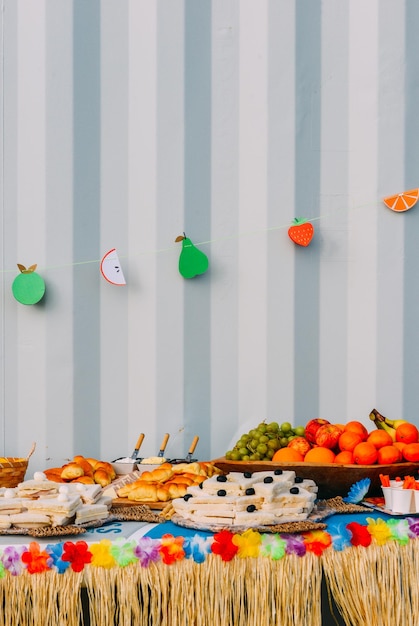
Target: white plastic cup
388,500
402,500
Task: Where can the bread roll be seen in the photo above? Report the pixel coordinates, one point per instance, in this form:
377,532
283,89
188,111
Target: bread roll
54,474
93,462
101,477
176,490
181,479
107,467
84,463
163,494
144,493
71,471
161,474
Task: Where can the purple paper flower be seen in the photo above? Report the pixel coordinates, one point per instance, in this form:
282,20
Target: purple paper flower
147,551
413,526
11,559
295,544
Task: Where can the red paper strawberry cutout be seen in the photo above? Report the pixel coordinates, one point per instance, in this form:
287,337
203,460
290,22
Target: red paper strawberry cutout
301,232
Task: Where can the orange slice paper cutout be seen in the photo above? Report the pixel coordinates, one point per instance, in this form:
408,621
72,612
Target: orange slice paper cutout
402,201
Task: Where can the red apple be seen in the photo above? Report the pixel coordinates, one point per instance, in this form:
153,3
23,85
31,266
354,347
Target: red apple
328,435
312,427
301,444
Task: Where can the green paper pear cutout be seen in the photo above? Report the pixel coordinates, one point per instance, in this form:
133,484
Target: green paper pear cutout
191,260
28,287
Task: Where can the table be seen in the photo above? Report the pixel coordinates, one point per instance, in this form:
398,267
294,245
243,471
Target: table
370,586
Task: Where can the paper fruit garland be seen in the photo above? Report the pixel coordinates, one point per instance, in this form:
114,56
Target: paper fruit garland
28,287
301,232
191,260
111,269
402,201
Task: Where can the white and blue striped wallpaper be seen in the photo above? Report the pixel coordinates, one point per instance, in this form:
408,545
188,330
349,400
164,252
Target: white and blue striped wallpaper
125,123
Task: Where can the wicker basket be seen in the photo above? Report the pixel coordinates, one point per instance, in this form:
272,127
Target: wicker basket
13,470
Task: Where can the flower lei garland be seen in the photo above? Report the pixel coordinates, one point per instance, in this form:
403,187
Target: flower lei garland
119,553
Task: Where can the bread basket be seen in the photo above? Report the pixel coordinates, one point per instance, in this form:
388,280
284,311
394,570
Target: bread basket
13,469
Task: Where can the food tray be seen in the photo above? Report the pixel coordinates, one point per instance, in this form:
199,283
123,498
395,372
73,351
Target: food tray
289,527
313,521
332,479
377,504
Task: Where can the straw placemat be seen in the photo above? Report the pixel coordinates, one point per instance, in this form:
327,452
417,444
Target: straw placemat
337,505
46,531
139,513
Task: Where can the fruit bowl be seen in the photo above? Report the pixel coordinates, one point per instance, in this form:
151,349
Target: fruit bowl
332,479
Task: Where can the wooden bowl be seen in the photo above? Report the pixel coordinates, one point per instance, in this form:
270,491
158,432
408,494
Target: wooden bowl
332,479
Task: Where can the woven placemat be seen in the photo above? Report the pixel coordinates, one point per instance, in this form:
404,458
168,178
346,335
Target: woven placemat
289,527
337,505
139,513
46,531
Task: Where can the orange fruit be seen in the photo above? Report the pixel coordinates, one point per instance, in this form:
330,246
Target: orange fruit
400,445
357,427
287,454
411,452
365,453
379,438
402,201
407,433
319,454
345,457
388,455
348,440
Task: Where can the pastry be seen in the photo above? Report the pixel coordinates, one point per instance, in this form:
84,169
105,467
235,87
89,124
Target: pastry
72,470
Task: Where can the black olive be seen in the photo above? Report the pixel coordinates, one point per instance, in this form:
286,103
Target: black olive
222,479
268,479
294,490
187,496
247,474
251,508
278,472
200,485
221,492
250,491
298,479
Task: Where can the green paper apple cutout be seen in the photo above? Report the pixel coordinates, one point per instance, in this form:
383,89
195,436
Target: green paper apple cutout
28,287
191,260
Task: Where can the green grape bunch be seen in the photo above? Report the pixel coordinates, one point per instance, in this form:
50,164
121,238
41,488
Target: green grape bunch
261,443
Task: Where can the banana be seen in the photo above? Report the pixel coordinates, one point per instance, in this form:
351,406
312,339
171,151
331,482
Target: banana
389,429
395,423
381,422
376,416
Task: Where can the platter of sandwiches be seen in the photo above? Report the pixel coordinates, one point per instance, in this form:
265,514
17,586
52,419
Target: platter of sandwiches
41,503
241,500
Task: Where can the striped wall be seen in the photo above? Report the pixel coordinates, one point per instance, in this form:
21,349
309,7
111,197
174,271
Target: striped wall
125,123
